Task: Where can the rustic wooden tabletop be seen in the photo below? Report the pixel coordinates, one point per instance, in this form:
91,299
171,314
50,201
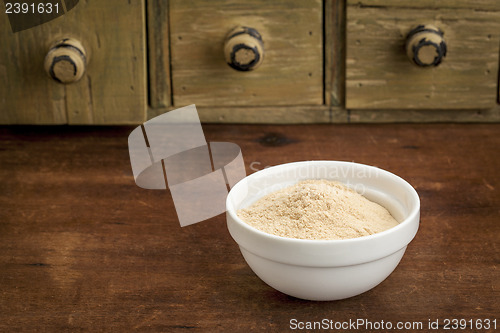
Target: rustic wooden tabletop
83,248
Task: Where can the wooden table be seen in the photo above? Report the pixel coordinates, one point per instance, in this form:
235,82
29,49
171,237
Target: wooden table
83,248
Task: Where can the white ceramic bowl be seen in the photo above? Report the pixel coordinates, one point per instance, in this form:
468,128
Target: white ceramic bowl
325,269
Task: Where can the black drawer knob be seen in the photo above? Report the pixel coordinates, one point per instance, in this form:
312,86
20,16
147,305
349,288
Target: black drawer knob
66,61
425,45
244,49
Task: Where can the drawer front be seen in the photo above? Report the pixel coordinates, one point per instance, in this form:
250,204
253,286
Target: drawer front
379,73
291,72
112,86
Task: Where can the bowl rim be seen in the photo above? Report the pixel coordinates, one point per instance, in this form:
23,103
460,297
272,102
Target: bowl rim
412,215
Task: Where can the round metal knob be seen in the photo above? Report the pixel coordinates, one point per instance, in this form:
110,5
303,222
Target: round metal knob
425,45
244,49
66,61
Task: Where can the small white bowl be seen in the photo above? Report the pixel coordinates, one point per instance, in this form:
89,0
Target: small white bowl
325,269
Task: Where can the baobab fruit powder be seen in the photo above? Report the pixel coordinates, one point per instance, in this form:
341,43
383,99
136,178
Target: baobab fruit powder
317,209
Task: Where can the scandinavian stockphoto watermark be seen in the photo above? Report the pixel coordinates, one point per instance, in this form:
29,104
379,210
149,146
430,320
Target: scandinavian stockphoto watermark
26,14
363,324
171,151
349,175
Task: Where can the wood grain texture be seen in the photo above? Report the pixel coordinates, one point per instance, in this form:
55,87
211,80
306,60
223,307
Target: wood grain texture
424,116
263,114
334,52
430,4
113,89
333,114
291,114
292,70
83,249
160,89
379,74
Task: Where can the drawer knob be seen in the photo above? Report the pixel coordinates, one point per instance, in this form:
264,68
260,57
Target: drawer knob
243,49
66,61
425,45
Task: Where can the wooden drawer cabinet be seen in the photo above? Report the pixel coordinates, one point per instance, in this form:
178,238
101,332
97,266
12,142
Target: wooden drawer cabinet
379,74
255,61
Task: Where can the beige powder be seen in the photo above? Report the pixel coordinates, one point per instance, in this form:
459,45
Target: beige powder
317,209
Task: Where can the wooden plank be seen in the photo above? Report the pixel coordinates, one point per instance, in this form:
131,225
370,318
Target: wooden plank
113,90
334,52
292,70
274,115
262,115
379,75
425,116
84,249
429,4
159,54
325,114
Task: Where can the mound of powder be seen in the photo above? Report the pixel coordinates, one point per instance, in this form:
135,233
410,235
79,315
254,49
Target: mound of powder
317,209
